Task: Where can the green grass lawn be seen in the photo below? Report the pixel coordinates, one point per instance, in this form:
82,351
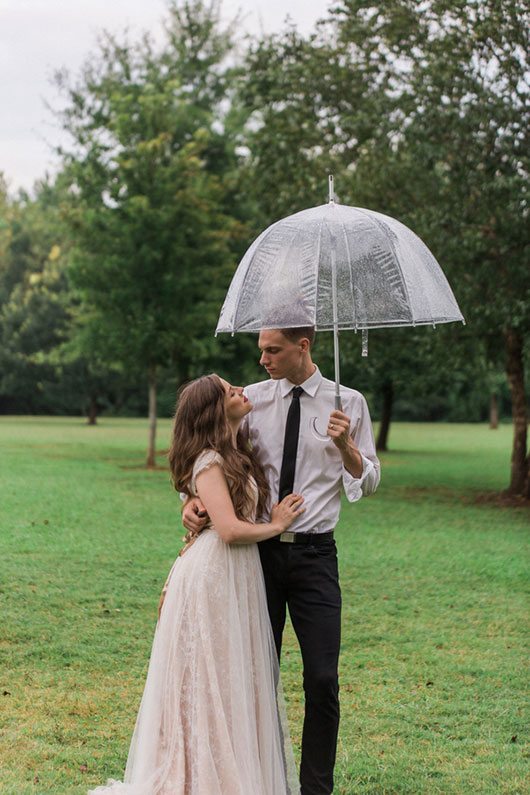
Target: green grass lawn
433,659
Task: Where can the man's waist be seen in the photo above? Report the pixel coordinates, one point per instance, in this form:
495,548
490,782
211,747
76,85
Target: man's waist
302,537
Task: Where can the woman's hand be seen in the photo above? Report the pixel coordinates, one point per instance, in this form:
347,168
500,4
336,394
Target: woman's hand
284,513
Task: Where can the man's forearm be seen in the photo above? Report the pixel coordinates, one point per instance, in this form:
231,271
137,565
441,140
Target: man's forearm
352,459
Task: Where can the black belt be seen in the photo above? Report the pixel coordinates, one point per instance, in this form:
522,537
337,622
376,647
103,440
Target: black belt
304,538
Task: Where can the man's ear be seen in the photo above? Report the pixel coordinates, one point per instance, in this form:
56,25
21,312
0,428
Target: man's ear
304,344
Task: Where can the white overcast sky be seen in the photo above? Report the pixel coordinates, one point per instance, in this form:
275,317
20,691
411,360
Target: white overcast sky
39,36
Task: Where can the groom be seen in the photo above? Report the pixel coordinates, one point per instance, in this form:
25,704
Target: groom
305,448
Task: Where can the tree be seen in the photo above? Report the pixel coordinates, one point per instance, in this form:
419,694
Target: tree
460,71
147,210
420,111
33,299
44,368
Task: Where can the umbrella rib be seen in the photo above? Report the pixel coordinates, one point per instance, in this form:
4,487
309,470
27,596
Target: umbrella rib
350,272
382,228
317,269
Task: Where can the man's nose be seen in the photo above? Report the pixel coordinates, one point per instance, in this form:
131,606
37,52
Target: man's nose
263,359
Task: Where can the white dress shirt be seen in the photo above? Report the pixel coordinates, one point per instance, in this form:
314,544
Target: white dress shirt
319,468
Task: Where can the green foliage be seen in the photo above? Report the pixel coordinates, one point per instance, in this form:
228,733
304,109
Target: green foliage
420,110
42,367
150,182
152,239
33,298
182,152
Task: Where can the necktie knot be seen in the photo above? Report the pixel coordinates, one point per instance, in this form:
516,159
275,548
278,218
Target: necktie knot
297,391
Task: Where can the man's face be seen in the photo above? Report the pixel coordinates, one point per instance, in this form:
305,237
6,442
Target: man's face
279,356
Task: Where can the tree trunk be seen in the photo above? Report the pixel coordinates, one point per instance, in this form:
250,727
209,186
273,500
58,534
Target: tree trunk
92,415
519,481
152,417
386,416
494,411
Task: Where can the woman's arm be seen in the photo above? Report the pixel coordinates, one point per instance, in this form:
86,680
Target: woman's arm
213,492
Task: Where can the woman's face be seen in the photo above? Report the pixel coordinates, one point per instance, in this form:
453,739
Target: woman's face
236,404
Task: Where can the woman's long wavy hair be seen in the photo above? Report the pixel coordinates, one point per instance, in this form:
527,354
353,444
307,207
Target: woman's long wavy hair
201,424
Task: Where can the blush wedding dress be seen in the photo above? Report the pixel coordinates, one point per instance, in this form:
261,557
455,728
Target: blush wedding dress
212,717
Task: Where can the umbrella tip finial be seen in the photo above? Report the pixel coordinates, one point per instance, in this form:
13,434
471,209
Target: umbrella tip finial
331,191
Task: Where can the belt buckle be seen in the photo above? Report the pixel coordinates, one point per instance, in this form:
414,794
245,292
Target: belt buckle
287,537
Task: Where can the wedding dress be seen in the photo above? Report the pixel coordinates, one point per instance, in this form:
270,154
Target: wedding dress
212,718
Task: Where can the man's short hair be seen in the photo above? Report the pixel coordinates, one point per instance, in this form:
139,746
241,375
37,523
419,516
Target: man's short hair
296,334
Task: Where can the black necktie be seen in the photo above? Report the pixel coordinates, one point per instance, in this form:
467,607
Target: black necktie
290,444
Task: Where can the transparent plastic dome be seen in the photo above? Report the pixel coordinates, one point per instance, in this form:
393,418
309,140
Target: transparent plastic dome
385,275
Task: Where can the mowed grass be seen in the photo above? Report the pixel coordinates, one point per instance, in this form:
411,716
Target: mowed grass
434,619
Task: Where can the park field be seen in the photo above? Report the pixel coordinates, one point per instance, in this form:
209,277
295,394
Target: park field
433,572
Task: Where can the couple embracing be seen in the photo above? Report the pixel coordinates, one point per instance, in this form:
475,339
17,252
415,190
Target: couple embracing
262,500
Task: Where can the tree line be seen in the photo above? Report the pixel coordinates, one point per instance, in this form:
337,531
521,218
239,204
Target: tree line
112,273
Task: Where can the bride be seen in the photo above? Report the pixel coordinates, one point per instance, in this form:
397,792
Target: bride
212,719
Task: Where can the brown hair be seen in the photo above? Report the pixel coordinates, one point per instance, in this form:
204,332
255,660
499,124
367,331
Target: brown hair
295,334
200,424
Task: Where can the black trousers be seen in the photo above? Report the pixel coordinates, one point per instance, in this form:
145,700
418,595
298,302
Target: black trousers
305,579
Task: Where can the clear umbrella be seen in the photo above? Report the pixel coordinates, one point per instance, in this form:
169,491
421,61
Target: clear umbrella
337,267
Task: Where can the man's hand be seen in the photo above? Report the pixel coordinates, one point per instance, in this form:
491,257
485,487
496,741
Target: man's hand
339,428
339,431
194,515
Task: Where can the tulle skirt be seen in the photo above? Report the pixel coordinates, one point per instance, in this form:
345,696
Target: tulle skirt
212,718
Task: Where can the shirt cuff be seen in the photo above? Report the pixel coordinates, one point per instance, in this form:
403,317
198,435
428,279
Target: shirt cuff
353,486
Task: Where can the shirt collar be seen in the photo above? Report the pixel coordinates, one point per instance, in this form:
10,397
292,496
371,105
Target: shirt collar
310,385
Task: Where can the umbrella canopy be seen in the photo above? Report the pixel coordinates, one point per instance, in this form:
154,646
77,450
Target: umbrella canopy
385,275
337,267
